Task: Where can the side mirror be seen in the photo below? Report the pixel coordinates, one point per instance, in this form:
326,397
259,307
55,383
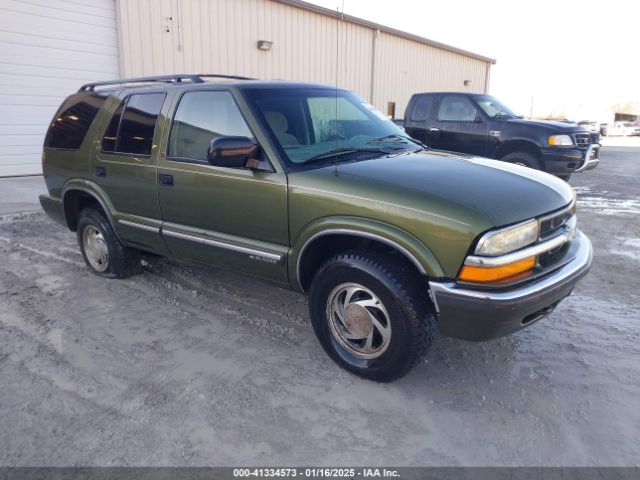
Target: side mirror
233,152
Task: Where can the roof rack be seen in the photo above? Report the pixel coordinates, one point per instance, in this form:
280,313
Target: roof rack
193,78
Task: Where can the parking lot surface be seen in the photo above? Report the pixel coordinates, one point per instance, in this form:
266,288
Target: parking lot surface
187,366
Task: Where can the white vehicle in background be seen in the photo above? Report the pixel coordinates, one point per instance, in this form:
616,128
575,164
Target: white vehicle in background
590,126
622,129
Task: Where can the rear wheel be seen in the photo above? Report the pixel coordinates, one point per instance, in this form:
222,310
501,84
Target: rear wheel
371,315
101,249
525,159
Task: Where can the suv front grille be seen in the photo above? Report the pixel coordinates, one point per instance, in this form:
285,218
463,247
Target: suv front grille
554,223
582,140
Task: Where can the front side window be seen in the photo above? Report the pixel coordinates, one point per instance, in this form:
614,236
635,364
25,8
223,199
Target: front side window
201,117
312,124
71,124
132,127
493,107
456,108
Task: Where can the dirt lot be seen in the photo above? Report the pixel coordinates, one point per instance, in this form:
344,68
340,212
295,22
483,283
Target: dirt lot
181,366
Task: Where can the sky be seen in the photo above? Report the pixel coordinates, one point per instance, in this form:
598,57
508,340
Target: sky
566,57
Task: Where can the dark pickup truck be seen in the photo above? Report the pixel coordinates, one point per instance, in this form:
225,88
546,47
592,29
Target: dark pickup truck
481,125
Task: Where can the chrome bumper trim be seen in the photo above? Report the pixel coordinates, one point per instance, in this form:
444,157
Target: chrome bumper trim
588,163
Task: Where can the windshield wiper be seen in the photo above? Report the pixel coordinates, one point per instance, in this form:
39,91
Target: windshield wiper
396,139
338,152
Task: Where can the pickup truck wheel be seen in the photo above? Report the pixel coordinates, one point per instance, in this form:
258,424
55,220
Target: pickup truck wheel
371,315
525,159
565,176
101,249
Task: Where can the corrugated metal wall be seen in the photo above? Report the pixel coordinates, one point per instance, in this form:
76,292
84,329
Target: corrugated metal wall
220,36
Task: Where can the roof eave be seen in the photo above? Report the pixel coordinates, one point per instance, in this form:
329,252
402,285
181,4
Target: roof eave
376,26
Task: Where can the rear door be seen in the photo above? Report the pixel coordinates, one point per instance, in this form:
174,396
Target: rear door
458,126
418,119
230,217
125,168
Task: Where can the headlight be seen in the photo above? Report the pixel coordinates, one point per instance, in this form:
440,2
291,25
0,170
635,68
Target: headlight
508,239
560,141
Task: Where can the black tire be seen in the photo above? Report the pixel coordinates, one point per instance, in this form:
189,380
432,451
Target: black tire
403,294
564,176
522,158
121,261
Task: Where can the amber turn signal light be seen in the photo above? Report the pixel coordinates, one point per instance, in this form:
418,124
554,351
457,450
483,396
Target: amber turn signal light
491,274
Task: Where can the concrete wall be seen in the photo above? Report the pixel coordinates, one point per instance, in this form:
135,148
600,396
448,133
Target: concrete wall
309,44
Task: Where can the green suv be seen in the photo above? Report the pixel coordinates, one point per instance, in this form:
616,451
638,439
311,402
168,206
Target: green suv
311,188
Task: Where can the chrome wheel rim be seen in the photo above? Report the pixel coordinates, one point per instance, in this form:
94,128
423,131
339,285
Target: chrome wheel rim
358,321
95,248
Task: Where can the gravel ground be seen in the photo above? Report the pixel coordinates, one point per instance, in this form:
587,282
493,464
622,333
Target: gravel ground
185,366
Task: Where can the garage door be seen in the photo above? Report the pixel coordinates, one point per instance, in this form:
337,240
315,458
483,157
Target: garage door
48,48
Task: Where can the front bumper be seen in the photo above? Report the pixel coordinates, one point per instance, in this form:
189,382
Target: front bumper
480,315
572,160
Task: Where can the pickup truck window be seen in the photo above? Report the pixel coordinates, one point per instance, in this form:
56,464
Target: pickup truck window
308,123
421,109
201,117
455,108
131,128
493,107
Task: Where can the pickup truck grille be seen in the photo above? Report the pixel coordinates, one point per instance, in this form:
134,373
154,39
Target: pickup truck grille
582,140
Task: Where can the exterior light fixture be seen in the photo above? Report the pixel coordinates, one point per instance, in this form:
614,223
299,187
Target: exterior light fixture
467,83
264,45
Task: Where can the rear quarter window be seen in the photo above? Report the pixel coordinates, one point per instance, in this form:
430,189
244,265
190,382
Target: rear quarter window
71,123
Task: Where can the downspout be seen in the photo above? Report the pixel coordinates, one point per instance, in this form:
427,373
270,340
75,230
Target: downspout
486,78
374,50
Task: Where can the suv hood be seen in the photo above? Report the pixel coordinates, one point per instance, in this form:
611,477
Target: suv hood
455,186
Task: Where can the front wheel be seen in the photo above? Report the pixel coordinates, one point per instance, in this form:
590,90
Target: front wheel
371,314
525,159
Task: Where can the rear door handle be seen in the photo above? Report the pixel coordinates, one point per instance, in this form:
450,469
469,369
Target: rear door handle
434,130
166,180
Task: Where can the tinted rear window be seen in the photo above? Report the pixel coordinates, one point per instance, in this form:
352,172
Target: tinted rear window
132,127
421,108
71,124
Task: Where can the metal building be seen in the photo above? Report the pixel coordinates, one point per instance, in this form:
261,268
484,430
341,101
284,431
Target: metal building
48,48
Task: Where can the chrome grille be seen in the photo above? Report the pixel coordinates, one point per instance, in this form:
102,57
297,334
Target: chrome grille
582,140
553,224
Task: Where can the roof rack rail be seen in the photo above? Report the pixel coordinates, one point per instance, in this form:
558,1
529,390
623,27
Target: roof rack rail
193,78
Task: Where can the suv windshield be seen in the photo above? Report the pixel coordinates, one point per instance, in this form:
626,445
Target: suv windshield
321,125
493,107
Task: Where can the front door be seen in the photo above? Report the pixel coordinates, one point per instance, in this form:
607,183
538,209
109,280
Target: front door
231,217
459,126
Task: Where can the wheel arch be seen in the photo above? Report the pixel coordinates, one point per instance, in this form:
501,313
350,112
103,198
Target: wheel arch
79,193
326,237
518,145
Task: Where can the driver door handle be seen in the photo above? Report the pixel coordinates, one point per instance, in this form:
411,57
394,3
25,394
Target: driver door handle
166,180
